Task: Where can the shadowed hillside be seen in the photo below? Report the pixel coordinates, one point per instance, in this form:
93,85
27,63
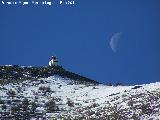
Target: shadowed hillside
13,73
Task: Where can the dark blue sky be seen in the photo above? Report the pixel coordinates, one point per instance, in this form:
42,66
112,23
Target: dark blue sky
79,36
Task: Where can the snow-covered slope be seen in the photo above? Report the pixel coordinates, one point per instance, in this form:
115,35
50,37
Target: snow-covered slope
59,98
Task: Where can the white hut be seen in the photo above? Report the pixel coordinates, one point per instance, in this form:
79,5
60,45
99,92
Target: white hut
53,61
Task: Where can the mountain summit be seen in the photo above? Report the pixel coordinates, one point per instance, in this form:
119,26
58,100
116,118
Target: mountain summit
53,93
19,73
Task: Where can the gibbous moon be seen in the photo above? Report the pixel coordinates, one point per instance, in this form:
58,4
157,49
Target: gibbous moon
115,40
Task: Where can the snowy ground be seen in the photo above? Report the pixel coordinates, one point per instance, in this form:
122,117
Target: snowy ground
82,101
